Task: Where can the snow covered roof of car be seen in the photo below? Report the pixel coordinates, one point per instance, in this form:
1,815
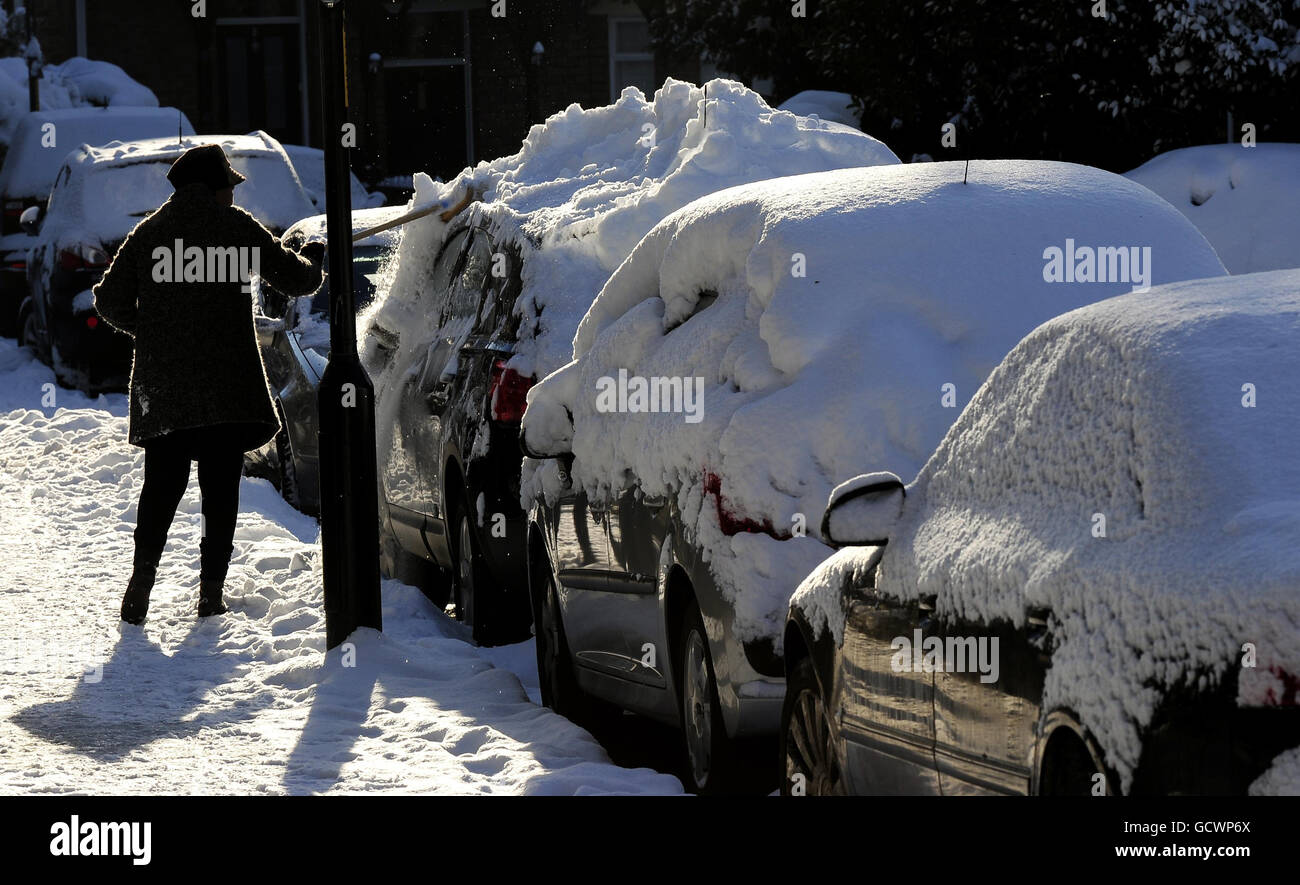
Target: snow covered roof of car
856,312
1130,466
587,184
1246,200
30,166
313,229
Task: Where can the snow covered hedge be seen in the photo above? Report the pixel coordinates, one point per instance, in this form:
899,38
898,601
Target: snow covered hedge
77,82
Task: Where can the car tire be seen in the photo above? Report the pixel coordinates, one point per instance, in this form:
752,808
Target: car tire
29,333
709,757
810,766
476,594
555,674
289,489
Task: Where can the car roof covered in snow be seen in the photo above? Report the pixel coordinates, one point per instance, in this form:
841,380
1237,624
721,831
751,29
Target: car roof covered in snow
30,167
856,311
1246,200
313,229
126,180
1130,467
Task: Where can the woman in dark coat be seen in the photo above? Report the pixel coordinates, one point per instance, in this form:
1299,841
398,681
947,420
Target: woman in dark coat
198,387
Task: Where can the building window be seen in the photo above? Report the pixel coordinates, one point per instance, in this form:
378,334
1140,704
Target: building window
631,59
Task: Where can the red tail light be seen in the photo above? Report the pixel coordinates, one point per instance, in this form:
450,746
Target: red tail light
729,522
92,322
83,258
509,393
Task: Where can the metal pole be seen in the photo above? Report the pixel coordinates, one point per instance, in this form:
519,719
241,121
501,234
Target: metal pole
33,65
346,399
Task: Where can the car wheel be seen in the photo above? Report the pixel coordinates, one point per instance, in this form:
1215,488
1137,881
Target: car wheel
29,334
707,748
559,684
289,488
807,739
475,592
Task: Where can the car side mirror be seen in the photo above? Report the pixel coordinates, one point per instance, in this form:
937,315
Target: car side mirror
30,220
864,510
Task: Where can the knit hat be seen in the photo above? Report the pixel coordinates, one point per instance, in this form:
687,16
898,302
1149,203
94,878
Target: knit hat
206,164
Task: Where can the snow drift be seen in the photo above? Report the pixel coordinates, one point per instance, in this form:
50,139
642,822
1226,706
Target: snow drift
855,312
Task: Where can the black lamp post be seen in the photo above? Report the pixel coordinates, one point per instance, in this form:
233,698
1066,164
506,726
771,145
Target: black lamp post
346,398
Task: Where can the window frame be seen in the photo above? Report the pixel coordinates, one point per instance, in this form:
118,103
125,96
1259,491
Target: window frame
615,56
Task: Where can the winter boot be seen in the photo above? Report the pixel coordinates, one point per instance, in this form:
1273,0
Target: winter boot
210,598
135,604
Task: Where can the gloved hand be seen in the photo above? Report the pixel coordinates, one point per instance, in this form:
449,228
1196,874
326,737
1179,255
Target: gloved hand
313,252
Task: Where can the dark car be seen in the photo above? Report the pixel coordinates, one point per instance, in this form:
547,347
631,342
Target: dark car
450,477
294,336
99,195
1090,588
33,161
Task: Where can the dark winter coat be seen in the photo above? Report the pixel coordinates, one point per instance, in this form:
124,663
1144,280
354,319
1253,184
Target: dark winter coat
197,361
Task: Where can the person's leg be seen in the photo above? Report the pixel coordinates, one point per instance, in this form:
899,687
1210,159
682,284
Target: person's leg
220,468
166,474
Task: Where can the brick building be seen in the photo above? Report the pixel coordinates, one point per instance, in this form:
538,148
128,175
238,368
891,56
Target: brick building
434,85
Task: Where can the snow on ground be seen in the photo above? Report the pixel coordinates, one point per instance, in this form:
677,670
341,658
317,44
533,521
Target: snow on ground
857,311
1246,200
583,189
244,703
1135,409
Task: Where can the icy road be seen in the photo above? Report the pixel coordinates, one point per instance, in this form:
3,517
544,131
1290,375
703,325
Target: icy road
247,702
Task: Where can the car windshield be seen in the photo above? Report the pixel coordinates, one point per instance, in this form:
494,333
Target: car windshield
365,272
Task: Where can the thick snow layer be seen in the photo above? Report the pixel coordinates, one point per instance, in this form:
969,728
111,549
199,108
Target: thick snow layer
76,82
856,312
244,703
30,167
1282,777
1132,467
113,186
1246,200
587,184
833,107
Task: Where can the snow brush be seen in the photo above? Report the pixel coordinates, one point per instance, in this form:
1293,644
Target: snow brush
447,215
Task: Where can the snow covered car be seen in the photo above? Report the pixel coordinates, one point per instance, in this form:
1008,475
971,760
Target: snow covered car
309,163
1244,199
33,161
481,304
98,197
757,347
1091,587
294,336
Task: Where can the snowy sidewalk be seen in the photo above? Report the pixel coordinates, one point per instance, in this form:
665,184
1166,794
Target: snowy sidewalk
247,702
